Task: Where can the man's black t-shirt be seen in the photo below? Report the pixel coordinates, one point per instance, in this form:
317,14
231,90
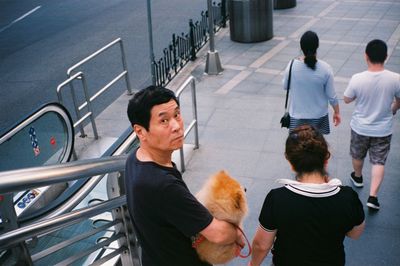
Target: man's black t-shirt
164,212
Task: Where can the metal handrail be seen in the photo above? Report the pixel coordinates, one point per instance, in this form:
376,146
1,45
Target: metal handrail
74,239
194,123
101,50
124,73
28,178
16,180
69,81
92,182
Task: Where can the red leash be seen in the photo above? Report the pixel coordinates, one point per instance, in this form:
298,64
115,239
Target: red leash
248,244
197,240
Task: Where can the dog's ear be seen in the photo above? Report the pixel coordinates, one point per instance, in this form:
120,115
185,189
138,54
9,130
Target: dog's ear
238,200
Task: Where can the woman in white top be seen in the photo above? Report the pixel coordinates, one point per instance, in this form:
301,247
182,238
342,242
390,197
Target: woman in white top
311,88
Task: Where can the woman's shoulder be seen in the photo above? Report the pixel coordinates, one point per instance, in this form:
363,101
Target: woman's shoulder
323,64
348,191
278,191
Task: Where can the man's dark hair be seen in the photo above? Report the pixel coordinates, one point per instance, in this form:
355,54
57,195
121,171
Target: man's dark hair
139,107
309,44
376,51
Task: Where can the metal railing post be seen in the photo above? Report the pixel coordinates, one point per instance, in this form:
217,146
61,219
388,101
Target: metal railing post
125,66
77,111
174,53
192,41
69,81
150,31
194,109
116,188
194,122
182,156
89,106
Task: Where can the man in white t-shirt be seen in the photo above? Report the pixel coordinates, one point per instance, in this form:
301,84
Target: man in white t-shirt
376,93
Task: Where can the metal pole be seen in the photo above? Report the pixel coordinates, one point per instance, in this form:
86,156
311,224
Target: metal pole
125,66
213,64
150,30
211,25
194,103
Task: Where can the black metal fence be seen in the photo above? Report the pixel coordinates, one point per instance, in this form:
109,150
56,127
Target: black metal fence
183,48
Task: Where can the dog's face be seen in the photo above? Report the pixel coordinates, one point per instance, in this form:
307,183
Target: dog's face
224,197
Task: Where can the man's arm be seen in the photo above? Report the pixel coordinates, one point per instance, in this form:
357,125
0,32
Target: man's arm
336,115
395,105
222,232
356,232
262,244
348,100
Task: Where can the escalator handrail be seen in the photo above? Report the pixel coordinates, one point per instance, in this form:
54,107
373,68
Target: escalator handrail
72,197
70,203
28,178
49,107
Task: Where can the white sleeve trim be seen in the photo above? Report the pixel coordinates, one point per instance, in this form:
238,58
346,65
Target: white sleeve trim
266,229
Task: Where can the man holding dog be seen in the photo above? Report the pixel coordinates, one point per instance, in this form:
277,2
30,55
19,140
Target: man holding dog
166,216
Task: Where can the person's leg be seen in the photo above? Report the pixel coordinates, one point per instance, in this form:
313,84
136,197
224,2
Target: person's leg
359,146
378,153
377,173
358,167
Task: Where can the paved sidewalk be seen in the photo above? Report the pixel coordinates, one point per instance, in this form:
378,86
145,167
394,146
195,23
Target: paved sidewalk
239,112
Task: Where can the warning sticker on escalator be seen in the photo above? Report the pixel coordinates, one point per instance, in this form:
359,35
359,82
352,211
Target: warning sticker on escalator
34,141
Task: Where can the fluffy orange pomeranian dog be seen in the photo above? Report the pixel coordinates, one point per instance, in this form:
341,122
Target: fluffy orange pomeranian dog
226,200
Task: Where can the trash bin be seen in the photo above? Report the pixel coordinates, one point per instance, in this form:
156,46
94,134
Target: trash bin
250,20
282,4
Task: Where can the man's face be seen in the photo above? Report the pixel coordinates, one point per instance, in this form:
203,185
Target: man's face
166,127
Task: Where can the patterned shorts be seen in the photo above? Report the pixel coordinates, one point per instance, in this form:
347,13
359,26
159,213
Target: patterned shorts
378,148
322,123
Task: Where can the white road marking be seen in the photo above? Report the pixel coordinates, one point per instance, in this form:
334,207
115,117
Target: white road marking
20,18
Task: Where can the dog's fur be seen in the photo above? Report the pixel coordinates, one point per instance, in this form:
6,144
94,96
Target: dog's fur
226,200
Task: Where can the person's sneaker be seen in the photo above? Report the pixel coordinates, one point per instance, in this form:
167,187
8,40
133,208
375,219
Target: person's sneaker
373,202
357,181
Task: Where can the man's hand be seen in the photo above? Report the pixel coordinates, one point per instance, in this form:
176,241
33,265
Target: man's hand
348,100
395,105
336,119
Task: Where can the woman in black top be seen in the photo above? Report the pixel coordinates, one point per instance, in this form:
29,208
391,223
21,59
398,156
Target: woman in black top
305,221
